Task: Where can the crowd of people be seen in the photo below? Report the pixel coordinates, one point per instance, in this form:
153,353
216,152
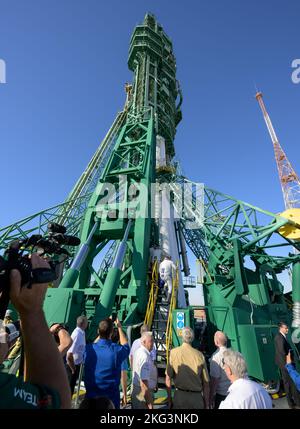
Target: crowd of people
54,362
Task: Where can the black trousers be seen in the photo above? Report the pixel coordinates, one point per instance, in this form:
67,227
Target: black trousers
218,399
73,377
292,394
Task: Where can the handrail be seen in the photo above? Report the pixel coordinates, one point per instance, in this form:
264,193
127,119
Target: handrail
173,304
205,267
152,296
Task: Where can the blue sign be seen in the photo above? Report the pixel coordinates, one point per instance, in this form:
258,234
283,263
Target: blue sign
180,320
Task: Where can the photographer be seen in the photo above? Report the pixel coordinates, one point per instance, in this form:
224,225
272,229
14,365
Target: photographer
62,338
46,383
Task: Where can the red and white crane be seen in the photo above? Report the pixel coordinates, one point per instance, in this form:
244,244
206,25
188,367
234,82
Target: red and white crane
289,180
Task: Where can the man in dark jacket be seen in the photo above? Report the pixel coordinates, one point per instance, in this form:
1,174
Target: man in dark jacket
282,349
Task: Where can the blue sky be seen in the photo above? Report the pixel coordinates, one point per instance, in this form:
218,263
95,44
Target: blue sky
66,66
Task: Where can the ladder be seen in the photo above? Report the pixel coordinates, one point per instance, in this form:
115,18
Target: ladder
159,318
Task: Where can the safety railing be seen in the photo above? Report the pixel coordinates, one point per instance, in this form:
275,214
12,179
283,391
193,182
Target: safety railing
173,304
204,266
152,296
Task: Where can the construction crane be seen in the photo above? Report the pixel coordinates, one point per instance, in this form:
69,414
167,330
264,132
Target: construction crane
111,271
289,180
290,185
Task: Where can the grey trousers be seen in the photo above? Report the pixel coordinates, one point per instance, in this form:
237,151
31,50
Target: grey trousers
137,398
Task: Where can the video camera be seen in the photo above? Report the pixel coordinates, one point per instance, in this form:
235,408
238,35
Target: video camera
14,258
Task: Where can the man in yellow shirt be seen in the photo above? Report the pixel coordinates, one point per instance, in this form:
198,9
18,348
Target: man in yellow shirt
187,369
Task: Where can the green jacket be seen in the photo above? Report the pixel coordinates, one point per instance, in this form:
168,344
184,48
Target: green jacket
16,394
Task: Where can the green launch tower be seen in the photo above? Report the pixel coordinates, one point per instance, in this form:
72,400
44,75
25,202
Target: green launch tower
114,211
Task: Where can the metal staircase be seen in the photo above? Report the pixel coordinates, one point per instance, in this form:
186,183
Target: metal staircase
159,330
159,318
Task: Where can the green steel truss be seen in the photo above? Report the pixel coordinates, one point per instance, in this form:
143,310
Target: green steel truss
109,271
133,157
38,222
91,175
152,60
120,284
69,213
243,253
227,219
127,150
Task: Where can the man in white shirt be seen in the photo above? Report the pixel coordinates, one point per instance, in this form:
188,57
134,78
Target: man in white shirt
137,344
243,393
76,351
219,383
144,375
167,270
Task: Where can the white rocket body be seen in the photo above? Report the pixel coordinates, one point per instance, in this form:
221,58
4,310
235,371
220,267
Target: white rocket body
165,217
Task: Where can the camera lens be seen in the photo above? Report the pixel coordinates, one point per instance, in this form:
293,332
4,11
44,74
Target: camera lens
71,240
67,240
56,228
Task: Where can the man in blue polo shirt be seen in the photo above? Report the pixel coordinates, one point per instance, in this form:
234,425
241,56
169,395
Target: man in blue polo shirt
293,373
102,363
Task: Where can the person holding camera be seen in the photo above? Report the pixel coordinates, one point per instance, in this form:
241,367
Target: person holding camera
62,338
102,363
46,384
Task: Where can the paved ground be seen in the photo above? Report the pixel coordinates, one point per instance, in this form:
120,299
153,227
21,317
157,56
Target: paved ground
280,403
